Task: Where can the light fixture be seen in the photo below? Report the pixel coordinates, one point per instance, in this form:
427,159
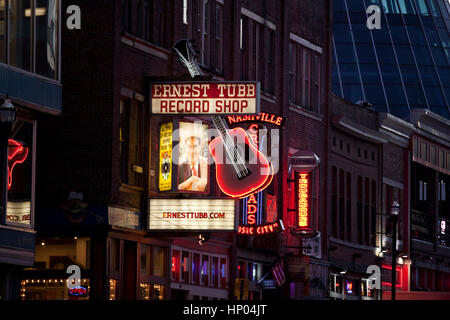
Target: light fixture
343,271
395,209
7,112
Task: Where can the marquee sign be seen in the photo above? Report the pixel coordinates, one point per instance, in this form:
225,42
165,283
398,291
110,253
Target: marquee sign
214,98
191,214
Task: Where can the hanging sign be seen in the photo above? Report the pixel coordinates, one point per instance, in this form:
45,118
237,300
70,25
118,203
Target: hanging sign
165,157
225,98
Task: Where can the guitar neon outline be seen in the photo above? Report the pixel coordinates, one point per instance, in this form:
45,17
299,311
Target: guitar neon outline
18,151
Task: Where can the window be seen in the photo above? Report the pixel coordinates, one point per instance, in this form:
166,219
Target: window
195,268
131,137
145,259
258,53
20,172
185,266
176,265
304,76
20,34
114,255
204,273
47,46
214,271
145,19
348,221
159,255
341,204
359,213
334,213
33,35
223,276
373,214
2,31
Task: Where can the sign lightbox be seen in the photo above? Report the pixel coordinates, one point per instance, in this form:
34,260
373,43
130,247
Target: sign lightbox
192,214
219,98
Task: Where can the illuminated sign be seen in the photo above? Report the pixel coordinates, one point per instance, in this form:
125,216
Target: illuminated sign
165,157
17,153
303,199
193,168
253,206
19,211
349,286
192,214
262,117
205,98
78,291
261,229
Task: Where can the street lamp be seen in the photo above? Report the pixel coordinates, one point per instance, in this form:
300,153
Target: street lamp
395,209
7,118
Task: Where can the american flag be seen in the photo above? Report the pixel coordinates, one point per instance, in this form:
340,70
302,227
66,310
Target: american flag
278,273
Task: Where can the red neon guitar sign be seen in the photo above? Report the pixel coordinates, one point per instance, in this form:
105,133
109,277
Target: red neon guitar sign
236,177
17,153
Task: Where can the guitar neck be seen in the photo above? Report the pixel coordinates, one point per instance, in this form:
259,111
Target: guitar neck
219,123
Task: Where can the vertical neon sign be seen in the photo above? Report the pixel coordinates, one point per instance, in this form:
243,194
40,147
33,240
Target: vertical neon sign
303,199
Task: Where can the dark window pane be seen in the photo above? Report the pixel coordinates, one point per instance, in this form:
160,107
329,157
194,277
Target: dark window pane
409,74
395,94
20,34
390,6
444,74
442,111
443,9
404,54
422,7
361,33
340,17
440,59
381,35
369,73
339,5
406,7
416,35
428,75
390,73
349,73
366,53
416,96
399,35
47,38
356,6
423,56
435,96
385,54
2,31
400,111
345,53
374,94
433,37
342,33
434,8
353,92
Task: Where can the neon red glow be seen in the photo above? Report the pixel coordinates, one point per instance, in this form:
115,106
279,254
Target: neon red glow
398,269
174,269
261,171
251,209
17,153
261,229
303,194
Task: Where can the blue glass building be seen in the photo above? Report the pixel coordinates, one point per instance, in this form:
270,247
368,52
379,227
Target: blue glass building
402,66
